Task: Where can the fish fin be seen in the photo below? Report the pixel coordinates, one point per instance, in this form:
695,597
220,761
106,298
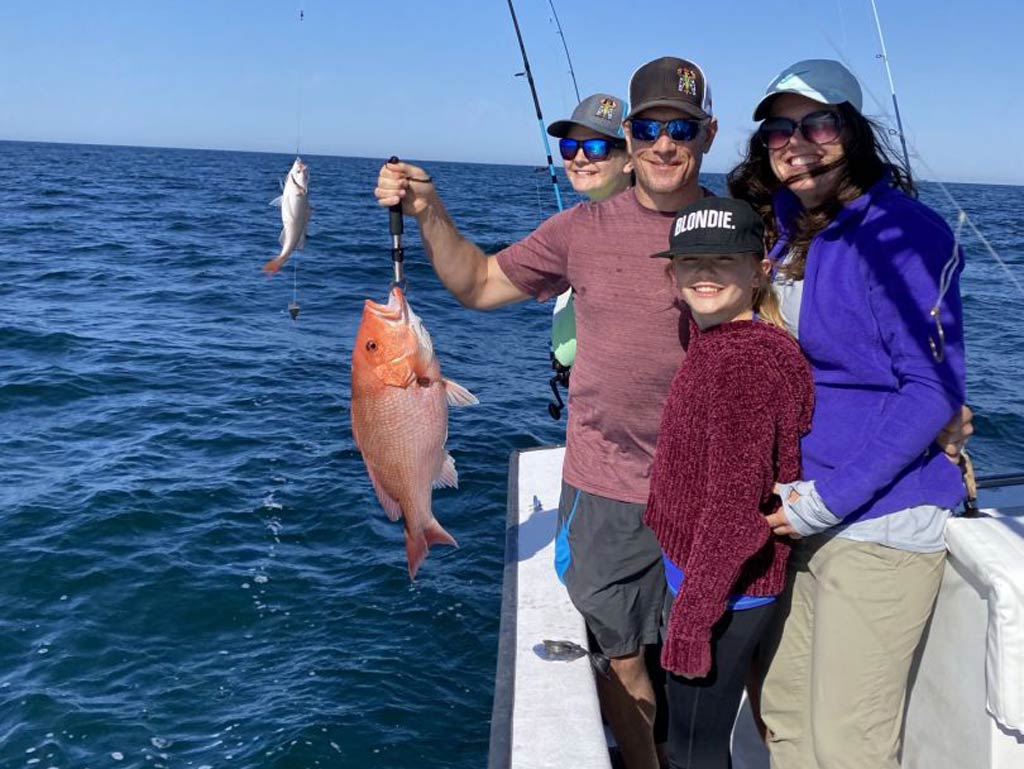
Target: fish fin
280,238
390,505
276,201
418,544
272,266
448,476
302,242
457,394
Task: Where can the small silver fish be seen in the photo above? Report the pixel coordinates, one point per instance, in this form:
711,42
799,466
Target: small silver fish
295,211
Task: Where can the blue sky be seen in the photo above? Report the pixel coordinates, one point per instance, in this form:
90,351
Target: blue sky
433,79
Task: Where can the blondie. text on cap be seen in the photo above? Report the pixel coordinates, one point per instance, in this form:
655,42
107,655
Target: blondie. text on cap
715,226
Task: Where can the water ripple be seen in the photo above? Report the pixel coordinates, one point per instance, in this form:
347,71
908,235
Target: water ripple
195,569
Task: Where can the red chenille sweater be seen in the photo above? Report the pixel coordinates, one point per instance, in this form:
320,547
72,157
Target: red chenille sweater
731,428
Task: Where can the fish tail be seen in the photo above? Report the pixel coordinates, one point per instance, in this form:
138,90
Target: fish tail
272,266
415,551
436,535
418,543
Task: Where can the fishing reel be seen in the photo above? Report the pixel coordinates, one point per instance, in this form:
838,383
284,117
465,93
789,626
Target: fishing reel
561,377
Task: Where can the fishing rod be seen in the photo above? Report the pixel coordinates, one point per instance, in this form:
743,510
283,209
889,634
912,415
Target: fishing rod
938,348
884,56
536,104
568,58
397,227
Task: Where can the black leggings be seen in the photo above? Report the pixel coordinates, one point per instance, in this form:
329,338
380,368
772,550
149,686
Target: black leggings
702,711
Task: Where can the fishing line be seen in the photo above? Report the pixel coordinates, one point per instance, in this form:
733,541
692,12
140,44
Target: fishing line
919,159
298,93
293,306
568,58
938,348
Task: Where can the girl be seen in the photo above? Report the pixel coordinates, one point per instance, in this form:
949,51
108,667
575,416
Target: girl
730,431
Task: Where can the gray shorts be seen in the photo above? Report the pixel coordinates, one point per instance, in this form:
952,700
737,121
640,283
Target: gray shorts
615,576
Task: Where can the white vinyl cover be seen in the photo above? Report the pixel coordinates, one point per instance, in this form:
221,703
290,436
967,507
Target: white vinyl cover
991,551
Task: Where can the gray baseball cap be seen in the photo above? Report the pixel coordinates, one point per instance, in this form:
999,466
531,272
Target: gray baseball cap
600,112
822,80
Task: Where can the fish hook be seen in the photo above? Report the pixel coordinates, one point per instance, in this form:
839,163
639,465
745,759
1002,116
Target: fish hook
939,348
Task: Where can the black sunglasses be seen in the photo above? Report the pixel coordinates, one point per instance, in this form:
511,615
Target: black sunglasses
678,130
822,127
593,149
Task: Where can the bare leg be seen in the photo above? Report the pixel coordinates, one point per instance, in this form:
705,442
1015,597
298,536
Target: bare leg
627,700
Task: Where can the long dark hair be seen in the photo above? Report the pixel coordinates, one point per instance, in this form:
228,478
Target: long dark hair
867,157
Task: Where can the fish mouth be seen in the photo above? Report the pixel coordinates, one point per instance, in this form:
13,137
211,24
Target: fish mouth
397,309
398,312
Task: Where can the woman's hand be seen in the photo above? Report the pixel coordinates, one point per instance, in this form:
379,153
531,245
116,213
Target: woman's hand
778,520
954,435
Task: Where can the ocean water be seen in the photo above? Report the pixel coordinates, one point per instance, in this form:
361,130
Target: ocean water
194,571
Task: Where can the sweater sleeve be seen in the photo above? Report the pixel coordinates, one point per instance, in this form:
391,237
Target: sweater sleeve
904,268
729,527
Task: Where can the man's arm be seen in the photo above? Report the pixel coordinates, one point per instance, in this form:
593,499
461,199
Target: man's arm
474,278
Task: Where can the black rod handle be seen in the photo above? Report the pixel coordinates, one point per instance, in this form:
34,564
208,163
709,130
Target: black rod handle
395,211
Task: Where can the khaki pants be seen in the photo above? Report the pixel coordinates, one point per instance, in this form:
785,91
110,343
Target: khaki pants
839,658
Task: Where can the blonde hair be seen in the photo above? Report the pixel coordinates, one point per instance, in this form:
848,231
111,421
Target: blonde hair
766,303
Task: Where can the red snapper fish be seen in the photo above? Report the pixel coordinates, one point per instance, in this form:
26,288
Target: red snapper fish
400,406
295,211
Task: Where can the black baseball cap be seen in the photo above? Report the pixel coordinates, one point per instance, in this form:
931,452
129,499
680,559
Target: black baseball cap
670,82
715,226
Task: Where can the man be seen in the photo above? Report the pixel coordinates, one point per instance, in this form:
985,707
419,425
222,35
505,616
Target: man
631,336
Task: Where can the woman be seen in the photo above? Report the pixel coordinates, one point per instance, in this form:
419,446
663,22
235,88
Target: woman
858,268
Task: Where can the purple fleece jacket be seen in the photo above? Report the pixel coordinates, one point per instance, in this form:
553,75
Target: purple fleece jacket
872,277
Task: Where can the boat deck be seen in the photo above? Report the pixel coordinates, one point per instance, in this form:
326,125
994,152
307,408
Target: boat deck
970,676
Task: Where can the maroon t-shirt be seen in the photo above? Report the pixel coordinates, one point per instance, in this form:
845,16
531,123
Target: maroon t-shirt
631,332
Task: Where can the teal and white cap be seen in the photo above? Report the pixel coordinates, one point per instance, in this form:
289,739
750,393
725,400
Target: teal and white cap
822,80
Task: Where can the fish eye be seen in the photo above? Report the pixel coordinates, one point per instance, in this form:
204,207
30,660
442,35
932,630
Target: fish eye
371,346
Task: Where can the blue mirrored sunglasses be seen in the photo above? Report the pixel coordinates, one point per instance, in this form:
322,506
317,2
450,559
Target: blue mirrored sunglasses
678,130
593,149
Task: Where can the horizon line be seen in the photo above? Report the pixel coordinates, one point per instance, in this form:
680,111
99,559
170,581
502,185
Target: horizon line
558,166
